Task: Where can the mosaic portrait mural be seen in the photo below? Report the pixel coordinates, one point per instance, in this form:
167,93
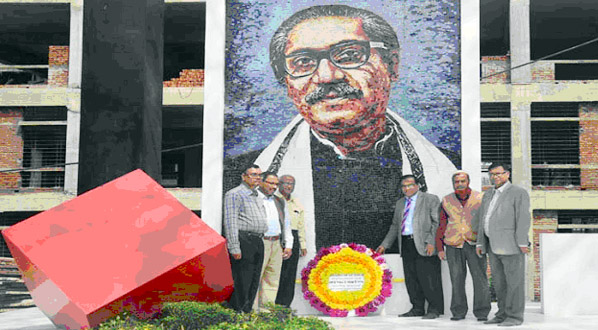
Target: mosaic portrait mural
346,96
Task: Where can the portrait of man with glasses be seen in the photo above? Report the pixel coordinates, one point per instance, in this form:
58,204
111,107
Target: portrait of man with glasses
346,147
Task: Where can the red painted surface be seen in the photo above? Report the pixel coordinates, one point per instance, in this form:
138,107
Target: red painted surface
127,245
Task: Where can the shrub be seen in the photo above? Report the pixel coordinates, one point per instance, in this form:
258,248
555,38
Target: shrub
275,313
295,323
189,315
129,322
195,315
307,323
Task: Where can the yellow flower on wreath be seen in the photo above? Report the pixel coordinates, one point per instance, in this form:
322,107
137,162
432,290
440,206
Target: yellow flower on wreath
346,261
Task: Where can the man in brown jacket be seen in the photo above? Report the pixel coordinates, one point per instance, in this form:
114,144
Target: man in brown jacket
456,242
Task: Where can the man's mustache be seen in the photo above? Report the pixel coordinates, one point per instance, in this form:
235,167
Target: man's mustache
341,89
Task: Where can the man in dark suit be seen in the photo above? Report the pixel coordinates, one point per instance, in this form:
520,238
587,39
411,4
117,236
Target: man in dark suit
414,224
504,222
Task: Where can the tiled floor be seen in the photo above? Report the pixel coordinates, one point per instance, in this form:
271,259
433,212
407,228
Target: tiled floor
534,319
33,319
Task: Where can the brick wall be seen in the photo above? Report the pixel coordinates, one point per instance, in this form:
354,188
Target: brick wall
588,145
11,148
542,71
544,222
187,78
495,64
58,61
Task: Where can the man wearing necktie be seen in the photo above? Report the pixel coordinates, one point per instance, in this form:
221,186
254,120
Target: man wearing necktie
414,224
504,220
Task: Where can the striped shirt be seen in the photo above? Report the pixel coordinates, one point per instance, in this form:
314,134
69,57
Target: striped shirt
242,211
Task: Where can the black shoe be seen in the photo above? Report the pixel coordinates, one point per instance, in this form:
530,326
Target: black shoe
457,318
412,313
510,323
430,316
494,320
482,319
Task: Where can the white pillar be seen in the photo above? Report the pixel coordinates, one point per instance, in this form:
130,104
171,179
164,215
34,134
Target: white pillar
471,149
519,14
213,119
74,97
521,78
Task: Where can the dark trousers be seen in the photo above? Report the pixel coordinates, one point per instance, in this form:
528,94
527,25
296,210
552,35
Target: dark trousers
508,276
422,278
458,259
246,272
288,273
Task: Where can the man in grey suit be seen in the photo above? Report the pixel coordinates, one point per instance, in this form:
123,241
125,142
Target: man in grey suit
414,224
504,220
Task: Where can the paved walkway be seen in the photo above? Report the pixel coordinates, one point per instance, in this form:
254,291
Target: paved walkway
33,319
534,319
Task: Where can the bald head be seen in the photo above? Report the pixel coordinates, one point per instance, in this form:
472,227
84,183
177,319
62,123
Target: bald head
460,180
287,185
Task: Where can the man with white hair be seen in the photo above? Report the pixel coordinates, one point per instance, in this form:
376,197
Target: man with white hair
456,242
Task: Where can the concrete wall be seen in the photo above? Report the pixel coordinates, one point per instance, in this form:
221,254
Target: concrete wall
569,279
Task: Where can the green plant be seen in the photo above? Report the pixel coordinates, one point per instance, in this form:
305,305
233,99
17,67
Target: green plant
129,322
307,323
275,313
195,315
190,315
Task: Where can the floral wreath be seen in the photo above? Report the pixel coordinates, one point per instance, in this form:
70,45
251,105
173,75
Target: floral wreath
359,276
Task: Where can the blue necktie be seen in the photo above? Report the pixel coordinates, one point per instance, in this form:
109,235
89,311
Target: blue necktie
406,214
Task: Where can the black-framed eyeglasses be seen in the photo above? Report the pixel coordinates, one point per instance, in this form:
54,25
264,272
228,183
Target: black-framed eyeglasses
344,55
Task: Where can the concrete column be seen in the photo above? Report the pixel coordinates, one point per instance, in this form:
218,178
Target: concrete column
471,152
121,90
74,98
213,121
519,27
521,172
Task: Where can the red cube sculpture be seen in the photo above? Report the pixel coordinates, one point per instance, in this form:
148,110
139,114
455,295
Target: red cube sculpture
126,245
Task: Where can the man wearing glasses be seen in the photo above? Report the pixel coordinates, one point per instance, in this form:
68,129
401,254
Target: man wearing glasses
504,221
414,226
288,272
244,227
345,148
278,240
